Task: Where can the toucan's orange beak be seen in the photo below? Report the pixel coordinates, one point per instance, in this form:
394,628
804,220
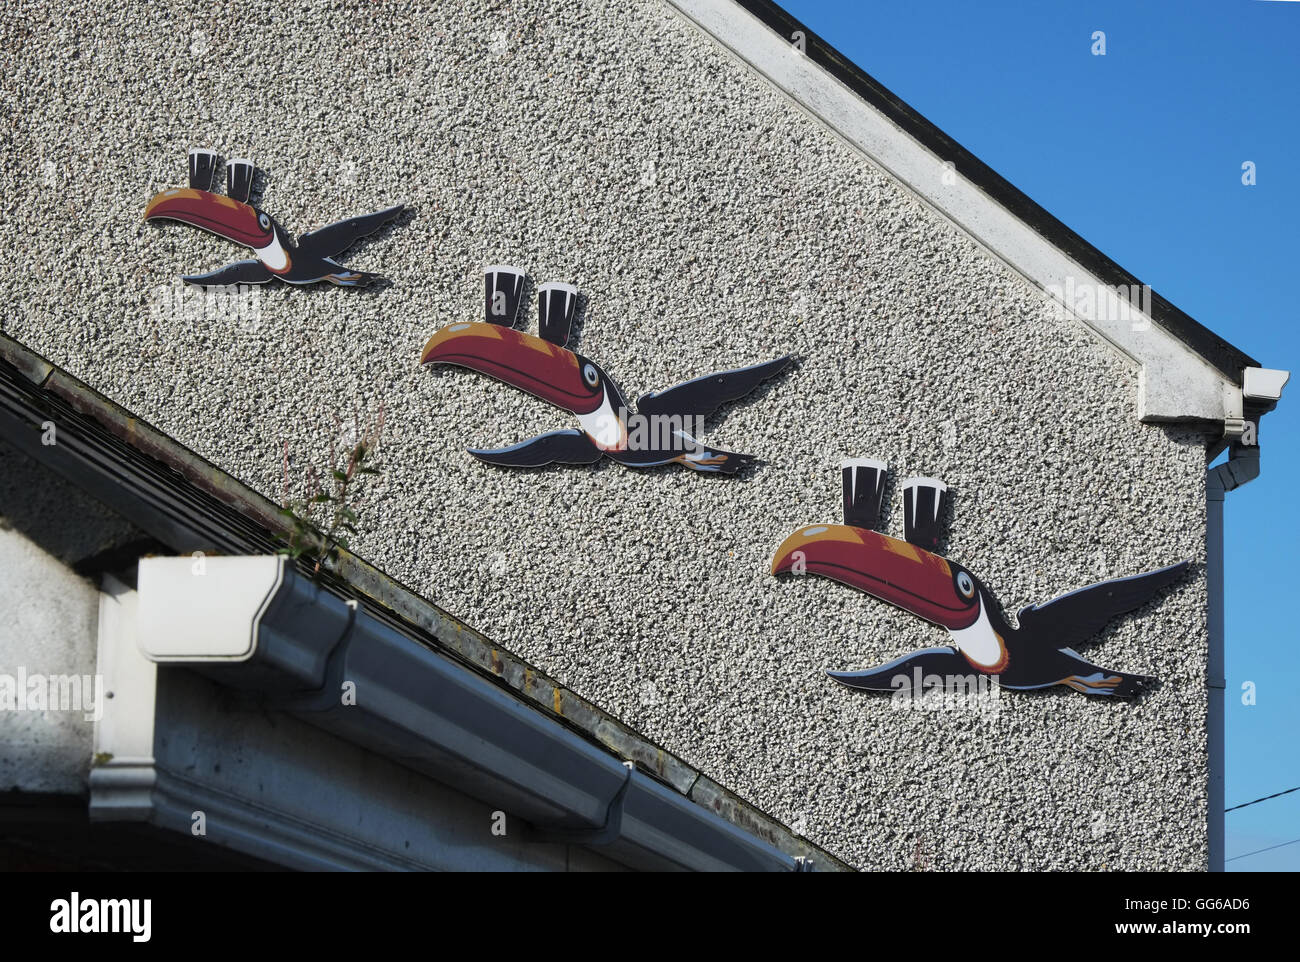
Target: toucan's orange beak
885,568
521,360
217,213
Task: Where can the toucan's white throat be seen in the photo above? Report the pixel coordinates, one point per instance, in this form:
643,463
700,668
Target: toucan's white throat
979,642
273,255
604,426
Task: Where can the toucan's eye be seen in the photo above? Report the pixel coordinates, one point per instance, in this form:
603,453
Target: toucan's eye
965,584
590,376
264,221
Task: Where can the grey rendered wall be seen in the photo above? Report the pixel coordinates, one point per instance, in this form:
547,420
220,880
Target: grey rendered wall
49,616
711,226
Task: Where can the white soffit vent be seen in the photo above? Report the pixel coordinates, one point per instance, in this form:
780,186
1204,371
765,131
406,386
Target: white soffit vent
203,608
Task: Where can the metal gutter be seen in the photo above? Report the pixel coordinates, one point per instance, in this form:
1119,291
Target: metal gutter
256,624
670,809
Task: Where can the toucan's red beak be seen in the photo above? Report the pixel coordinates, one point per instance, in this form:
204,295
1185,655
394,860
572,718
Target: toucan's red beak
521,360
223,216
885,568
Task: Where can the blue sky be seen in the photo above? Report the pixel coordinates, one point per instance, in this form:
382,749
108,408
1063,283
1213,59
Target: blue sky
1140,151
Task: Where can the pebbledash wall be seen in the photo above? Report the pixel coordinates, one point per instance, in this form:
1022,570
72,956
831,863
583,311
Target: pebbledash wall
711,224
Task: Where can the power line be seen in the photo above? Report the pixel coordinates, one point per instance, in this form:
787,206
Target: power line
1264,799
1258,850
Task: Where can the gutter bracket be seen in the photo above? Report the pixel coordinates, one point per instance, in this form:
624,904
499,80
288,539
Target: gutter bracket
327,697
606,834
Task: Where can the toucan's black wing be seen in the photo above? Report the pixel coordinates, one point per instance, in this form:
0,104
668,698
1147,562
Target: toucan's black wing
704,395
901,672
1073,618
240,272
335,238
557,447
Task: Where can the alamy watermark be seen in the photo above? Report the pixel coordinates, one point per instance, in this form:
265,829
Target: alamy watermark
239,304
1103,302
76,916
649,432
38,692
918,691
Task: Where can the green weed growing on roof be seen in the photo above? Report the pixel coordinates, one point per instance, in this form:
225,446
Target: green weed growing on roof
322,521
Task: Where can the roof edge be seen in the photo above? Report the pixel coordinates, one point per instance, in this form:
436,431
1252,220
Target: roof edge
1216,351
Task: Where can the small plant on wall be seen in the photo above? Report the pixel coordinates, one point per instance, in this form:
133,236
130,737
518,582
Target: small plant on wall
322,521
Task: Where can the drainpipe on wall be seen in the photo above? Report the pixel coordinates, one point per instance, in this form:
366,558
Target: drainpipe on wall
1261,390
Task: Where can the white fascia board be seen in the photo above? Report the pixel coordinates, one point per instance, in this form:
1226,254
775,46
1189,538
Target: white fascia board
1176,383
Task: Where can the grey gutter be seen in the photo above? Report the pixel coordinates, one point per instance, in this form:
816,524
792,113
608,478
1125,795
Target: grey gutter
421,708
669,808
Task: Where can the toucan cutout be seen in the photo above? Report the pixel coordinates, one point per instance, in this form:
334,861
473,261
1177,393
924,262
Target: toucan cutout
658,432
231,216
1038,653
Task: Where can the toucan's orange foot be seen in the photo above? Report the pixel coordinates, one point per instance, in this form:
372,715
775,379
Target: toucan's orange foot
1085,685
719,462
1103,684
350,279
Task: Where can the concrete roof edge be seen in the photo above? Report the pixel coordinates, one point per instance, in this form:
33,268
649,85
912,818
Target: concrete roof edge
264,529
1189,373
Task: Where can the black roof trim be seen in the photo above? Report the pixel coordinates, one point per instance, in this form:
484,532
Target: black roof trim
1214,349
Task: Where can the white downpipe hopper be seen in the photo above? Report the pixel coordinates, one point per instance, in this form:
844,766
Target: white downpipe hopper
204,609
